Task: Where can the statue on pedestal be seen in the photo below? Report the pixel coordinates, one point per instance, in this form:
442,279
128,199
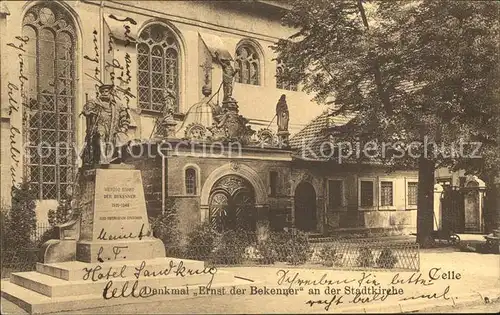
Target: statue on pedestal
228,73
282,114
166,124
283,117
107,124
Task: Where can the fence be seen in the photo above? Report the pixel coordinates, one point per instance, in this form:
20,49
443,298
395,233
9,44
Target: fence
236,248
368,255
245,248
41,228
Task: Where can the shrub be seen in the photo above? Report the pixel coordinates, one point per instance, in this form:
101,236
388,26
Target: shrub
201,242
61,215
285,246
298,248
4,226
329,256
365,257
20,221
387,259
231,247
165,227
267,251
18,225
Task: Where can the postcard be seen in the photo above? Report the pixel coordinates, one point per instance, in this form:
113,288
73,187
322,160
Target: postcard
250,157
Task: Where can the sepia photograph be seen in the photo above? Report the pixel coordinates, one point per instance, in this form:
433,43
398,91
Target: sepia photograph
249,156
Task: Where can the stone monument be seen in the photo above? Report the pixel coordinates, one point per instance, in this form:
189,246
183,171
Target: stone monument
106,254
283,117
165,125
107,124
229,125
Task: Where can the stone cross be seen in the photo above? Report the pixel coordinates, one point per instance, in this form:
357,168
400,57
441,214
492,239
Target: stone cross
207,70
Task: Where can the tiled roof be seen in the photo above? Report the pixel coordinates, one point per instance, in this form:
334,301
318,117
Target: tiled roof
308,141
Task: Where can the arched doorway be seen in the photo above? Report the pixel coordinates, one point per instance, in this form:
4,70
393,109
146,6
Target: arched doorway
232,204
305,207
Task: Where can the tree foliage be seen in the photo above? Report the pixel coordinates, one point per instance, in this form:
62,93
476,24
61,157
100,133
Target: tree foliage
422,76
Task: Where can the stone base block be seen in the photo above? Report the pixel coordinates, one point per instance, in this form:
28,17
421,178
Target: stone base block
58,250
95,252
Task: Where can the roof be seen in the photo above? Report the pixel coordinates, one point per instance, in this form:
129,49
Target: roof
283,4
308,142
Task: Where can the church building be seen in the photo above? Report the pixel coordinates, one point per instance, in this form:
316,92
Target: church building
209,123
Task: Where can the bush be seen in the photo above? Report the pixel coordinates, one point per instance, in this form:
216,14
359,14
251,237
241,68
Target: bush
4,226
298,248
61,215
329,256
387,259
19,223
285,246
365,257
231,247
267,251
201,242
165,227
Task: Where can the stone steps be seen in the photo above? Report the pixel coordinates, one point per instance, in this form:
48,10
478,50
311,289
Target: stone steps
35,303
54,287
67,286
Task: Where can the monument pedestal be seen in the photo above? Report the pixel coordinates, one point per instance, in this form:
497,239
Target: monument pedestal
114,259
114,222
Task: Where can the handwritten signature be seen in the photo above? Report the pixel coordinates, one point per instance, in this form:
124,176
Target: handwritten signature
123,289
432,296
105,236
293,279
14,107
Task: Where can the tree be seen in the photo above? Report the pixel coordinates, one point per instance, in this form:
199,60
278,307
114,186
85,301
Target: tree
421,77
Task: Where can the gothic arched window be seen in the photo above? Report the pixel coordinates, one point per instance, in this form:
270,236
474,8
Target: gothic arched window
49,103
158,67
190,181
247,62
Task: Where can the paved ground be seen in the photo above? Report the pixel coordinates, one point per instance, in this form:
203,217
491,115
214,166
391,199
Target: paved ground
479,276
476,307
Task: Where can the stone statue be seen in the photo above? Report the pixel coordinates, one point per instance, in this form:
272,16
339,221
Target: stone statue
166,123
168,109
107,125
228,73
282,114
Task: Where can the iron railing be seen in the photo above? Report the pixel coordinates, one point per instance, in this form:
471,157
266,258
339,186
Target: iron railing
248,248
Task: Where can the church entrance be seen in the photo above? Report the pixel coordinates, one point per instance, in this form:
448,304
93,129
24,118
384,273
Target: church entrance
232,204
305,207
